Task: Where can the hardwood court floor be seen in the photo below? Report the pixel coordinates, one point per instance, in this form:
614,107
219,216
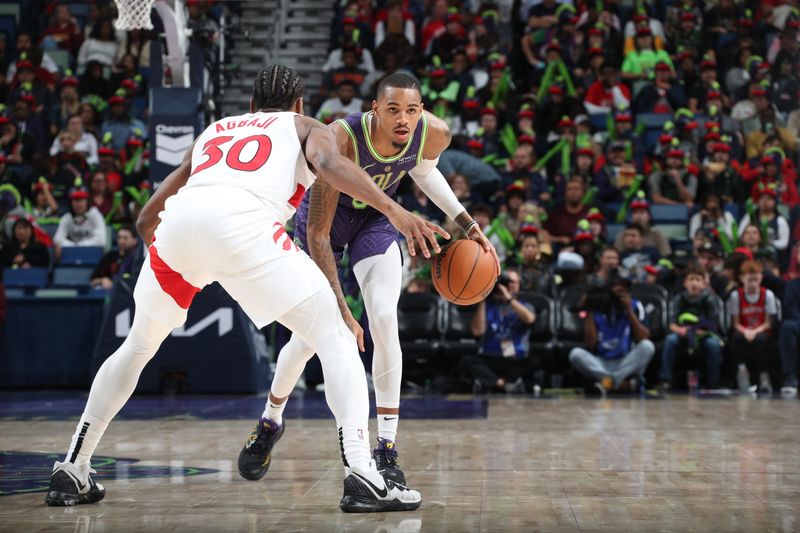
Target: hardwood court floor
568,464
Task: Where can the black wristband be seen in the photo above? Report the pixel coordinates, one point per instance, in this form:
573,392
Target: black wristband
468,227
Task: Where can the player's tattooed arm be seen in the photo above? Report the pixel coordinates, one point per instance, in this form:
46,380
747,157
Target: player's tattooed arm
321,150
321,210
148,219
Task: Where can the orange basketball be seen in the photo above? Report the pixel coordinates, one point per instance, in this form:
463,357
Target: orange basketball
464,273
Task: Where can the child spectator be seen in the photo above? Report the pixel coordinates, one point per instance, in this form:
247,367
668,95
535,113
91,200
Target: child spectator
753,311
635,255
694,318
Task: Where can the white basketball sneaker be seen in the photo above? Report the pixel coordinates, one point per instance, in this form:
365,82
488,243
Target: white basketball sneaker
366,491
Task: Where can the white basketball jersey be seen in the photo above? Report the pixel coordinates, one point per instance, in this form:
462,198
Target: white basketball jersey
258,152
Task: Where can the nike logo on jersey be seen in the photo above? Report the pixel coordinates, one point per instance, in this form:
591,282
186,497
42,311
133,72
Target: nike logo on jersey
378,492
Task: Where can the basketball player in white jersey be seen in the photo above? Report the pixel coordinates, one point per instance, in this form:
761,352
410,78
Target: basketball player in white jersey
221,219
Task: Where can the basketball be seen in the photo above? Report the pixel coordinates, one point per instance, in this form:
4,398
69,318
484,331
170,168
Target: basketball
464,273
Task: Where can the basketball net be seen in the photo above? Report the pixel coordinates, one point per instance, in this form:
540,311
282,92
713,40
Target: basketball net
134,14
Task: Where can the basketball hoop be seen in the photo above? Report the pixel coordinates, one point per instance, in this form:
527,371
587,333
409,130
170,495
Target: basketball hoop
134,14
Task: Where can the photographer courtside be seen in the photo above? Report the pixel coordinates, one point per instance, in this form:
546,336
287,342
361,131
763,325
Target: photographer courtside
618,343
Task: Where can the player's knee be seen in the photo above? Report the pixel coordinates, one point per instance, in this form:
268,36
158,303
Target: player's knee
383,322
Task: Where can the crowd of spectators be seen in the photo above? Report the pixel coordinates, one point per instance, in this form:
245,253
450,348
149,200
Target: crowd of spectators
598,145
653,142
74,147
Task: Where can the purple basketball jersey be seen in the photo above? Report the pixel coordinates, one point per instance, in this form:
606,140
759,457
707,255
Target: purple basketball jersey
385,171
364,230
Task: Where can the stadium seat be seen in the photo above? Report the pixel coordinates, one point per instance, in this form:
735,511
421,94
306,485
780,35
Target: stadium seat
734,210
10,9
569,325
72,278
60,58
458,339
669,214
678,232
542,339
14,292
599,121
655,300
56,293
25,278
652,120
49,228
418,324
81,255
612,230
8,27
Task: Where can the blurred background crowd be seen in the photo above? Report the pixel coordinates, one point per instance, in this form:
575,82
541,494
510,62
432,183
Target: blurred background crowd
634,163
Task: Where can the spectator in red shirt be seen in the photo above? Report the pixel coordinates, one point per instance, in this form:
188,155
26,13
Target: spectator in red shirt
607,93
564,218
64,32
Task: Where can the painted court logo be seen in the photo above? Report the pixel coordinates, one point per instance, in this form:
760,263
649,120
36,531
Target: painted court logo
26,472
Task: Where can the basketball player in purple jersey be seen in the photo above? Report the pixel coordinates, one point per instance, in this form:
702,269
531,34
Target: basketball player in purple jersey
395,139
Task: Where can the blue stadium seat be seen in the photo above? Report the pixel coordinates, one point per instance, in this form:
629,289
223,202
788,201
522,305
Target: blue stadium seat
49,228
612,230
8,27
669,214
14,292
735,210
652,120
25,278
599,121
81,255
72,278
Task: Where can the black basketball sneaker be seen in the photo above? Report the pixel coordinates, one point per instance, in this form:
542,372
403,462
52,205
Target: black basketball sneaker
70,485
256,455
366,491
385,456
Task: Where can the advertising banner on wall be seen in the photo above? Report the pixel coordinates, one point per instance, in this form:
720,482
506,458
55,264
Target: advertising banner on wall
217,350
176,119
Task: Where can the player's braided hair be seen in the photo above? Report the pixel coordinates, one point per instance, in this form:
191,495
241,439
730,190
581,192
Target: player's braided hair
276,87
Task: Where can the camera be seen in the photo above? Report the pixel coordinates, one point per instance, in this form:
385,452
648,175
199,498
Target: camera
503,280
600,296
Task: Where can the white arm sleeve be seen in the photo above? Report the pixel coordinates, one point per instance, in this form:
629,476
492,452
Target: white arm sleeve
435,187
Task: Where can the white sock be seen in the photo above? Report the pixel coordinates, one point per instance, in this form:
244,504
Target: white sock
274,411
387,426
354,444
87,435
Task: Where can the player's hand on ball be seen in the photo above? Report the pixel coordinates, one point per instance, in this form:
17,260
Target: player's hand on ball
477,235
418,230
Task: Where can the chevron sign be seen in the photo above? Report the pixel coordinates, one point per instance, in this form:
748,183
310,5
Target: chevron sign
170,148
